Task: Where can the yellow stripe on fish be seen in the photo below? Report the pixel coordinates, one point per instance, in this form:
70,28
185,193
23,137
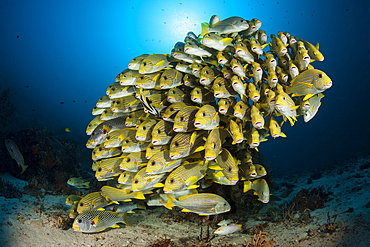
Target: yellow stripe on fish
144,131
170,112
161,162
213,145
184,120
115,138
170,78
149,81
93,124
134,161
134,64
184,144
109,168
146,181
114,194
151,150
260,187
132,118
130,145
206,118
154,63
229,165
162,133
175,95
128,77
126,177
91,201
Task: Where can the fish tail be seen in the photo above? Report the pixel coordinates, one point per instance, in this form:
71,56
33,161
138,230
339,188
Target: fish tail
205,28
124,218
247,186
23,168
169,204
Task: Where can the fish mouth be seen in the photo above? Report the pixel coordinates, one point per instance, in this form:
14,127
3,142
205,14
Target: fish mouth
171,100
186,49
220,61
177,129
258,124
197,124
233,182
255,98
165,118
203,81
238,51
272,61
163,87
222,110
306,58
253,174
285,77
173,157
255,144
307,105
235,83
194,99
226,75
322,59
329,85
155,142
283,51
210,157
239,140
139,138
265,201
218,95
275,135
258,70
238,115
235,67
278,106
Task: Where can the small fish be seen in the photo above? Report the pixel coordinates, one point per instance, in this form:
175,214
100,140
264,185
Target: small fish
196,69
73,211
242,53
79,183
116,90
202,203
101,152
228,229
261,171
213,146
116,137
144,131
201,95
184,67
229,165
161,163
108,114
175,95
126,177
260,187
132,118
184,144
262,37
225,222
207,75
256,47
146,181
247,170
236,132
134,162
313,51
71,199
216,42
149,81
67,130
229,25
206,118
126,104
257,119
170,78
170,112
237,68
309,83
227,72
238,86
117,195
109,168
93,124
125,207
217,176
15,154
225,106
277,46
240,110
302,59
293,69
91,201
189,81
223,58
104,102
253,138
193,48
270,61
272,78
154,63
315,103
97,111
100,132
131,145
154,149
128,77
134,64
97,221
184,120
162,133
253,93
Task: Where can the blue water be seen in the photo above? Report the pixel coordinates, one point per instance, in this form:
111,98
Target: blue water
71,51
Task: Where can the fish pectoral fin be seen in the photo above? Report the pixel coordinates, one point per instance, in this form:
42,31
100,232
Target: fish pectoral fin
215,167
127,200
95,221
192,180
185,210
282,134
115,226
194,186
201,148
158,185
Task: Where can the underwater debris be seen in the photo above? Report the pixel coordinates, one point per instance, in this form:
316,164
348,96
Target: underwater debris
311,200
163,242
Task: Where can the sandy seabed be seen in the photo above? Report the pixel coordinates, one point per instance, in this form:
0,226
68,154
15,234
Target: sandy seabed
24,223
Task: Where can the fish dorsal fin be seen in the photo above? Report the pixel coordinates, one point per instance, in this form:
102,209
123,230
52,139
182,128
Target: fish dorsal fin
95,221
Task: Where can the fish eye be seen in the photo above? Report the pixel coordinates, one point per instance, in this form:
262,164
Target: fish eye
176,144
206,72
99,169
118,102
113,89
225,204
197,92
172,180
108,137
283,98
165,77
320,75
144,128
229,169
144,63
100,149
89,125
127,141
204,114
79,221
81,204
128,160
241,107
181,119
159,131
129,116
141,77
136,181
171,109
153,163
151,147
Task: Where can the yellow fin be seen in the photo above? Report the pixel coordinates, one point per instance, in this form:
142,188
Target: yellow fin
192,138
194,186
140,195
201,148
158,185
115,226
308,96
185,210
191,180
215,167
95,221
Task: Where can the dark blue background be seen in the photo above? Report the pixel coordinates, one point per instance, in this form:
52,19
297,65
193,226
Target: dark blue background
72,51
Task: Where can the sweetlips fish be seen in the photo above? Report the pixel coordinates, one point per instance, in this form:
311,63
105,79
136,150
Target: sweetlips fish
228,229
207,75
91,201
282,76
152,150
225,222
108,114
119,91
170,112
131,145
285,105
216,42
73,210
184,144
240,110
213,144
79,183
277,46
313,51
227,72
125,207
189,81
175,95
257,119
71,199
128,77
238,86
133,162
256,47
229,25
225,106
315,103
184,120
309,83
114,194
97,111
253,93
229,165
101,152
223,58
161,163
149,81
104,102
242,53
262,37
193,48
100,132
196,69
184,67
146,181
260,187
115,138
261,171
206,118
201,95
236,132
154,63
125,104
202,203
97,221
126,177
216,175
275,129
15,154
134,64
132,118
270,61
162,133
144,131
247,170
93,124
109,168
302,59
170,78
272,78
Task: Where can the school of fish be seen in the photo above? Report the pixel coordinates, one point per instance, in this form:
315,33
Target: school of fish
173,123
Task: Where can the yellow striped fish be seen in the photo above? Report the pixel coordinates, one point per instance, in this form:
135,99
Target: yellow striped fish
285,105
157,101
236,132
202,203
223,58
309,83
226,72
184,144
154,63
189,81
261,171
272,78
238,86
162,133
104,102
112,88
71,199
206,118
275,129
315,103
247,170
134,64
223,91
201,95
151,150
217,176
184,120
313,51
128,77
229,165
149,81
256,118
126,177
185,176
171,111
144,131
170,78
133,117
270,61
277,46
253,138
93,124
119,195
253,93
225,106
97,111
207,75
108,114
119,91
161,163
126,104
145,181
240,110
131,145
100,152
91,201
175,95
212,146
260,187
73,211
115,138
134,162
109,168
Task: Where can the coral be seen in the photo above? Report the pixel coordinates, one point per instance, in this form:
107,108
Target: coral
312,200
258,240
8,190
